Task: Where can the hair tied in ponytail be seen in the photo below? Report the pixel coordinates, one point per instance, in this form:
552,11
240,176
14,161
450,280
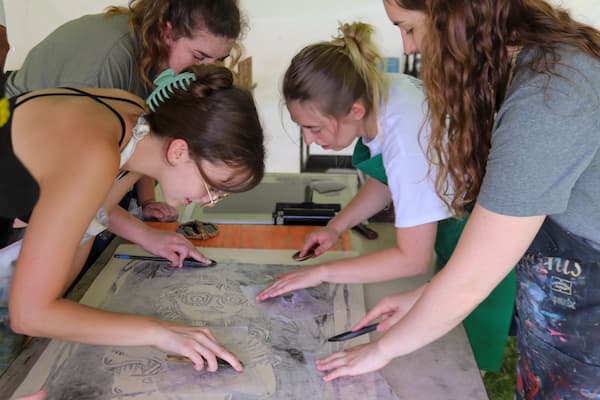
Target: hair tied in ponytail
166,82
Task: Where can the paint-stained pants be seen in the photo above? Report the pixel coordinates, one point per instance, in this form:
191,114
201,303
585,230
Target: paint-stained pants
558,306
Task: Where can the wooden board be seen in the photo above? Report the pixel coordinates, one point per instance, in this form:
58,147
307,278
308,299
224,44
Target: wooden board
269,237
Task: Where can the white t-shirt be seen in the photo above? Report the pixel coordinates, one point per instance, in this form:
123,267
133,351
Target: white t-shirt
402,141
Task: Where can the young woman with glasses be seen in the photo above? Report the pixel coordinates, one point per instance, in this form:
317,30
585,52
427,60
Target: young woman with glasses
70,154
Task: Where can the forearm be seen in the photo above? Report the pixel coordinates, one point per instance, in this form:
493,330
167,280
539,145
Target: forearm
65,320
126,225
411,256
488,249
145,190
435,313
379,266
369,200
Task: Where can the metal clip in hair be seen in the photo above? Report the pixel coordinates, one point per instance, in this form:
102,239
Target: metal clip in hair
165,82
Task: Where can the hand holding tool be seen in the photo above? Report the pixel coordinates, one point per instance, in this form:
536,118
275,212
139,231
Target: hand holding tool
350,335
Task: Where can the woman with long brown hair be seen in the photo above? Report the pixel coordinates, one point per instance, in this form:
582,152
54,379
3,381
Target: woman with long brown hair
514,94
126,48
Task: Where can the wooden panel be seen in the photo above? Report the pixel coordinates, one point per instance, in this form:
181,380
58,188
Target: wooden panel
272,237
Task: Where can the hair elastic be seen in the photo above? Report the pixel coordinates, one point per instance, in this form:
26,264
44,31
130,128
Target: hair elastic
165,83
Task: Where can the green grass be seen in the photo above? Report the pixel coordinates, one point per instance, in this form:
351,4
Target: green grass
501,385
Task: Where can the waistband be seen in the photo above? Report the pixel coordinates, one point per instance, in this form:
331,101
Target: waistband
553,240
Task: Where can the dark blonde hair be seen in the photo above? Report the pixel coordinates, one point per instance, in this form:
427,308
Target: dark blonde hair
147,19
337,73
219,122
413,5
466,64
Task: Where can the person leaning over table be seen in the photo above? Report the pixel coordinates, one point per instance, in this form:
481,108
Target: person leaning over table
69,154
336,92
515,114
125,48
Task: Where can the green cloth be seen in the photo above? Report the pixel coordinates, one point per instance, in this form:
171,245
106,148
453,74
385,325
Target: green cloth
372,166
488,325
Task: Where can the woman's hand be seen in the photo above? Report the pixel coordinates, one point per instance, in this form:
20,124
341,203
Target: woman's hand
304,278
391,309
155,210
170,245
196,343
356,361
41,395
321,240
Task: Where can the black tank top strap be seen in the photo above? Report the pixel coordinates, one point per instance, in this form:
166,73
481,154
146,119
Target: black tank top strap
97,98
111,108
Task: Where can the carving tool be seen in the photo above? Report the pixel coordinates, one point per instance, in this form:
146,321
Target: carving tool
350,335
183,359
188,262
309,254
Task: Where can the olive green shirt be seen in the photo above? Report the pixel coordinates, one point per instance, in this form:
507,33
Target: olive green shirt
91,51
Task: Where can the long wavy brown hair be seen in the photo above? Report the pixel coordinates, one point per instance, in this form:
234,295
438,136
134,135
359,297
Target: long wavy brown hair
147,19
466,64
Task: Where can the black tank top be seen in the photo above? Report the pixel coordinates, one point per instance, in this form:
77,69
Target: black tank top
19,191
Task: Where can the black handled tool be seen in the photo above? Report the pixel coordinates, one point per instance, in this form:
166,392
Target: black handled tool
366,231
188,262
183,359
350,335
310,253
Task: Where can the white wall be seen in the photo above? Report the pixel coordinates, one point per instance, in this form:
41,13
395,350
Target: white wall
278,29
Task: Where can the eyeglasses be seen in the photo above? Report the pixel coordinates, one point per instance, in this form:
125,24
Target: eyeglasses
214,197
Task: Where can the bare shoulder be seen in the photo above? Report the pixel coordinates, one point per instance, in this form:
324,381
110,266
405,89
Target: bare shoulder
70,141
66,146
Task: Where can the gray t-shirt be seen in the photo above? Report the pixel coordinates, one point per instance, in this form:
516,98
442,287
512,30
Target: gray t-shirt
545,157
91,51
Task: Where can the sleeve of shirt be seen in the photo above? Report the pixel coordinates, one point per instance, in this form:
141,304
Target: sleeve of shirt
120,70
410,181
545,136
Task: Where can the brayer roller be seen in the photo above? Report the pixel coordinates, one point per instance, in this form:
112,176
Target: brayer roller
306,213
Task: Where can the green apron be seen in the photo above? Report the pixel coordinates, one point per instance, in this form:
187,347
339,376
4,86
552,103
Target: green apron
488,325
372,166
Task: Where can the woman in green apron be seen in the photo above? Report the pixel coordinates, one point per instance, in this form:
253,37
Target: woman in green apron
488,325
336,93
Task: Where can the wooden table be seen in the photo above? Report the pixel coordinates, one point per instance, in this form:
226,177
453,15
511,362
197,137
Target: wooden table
444,369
